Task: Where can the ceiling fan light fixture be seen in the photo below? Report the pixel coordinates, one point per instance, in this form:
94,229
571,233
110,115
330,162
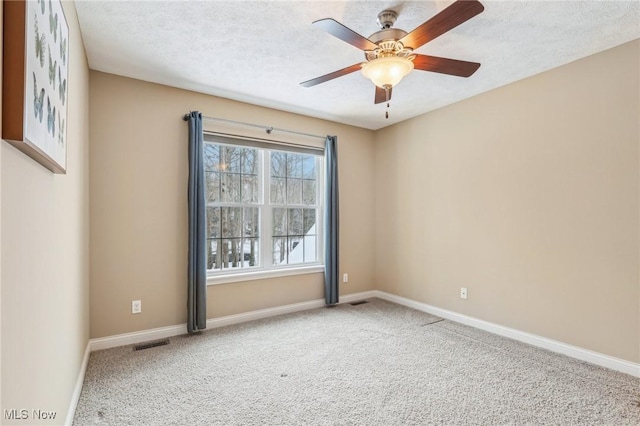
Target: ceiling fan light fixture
387,71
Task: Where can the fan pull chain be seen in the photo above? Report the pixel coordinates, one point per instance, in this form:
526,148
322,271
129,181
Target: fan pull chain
386,113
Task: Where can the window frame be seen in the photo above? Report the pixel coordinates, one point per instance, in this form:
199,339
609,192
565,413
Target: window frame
266,268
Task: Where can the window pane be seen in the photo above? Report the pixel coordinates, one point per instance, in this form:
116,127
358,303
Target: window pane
230,159
295,222
294,165
309,222
278,164
294,191
250,252
249,189
278,188
231,222
211,157
250,161
235,252
213,186
211,250
213,222
309,192
251,222
279,222
225,254
310,249
309,167
296,250
279,251
216,251
230,188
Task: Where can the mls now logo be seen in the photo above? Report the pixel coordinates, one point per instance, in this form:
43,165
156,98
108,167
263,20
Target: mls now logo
16,414
24,414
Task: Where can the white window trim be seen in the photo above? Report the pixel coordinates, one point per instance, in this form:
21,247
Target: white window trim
238,276
264,271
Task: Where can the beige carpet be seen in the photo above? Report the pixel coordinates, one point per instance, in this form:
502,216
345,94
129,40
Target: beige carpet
372,364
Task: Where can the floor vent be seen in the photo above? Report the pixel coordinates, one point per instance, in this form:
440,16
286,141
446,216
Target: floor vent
362,302
149,345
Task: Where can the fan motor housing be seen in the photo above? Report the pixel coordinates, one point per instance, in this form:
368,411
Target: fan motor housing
386,40
387,34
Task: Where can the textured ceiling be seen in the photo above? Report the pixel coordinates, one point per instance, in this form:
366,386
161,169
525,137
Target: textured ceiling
259,51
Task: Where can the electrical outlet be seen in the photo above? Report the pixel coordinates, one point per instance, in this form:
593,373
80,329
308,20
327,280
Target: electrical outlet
463,293
136,306
345,278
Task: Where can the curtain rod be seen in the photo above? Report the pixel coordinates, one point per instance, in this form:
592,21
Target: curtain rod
268,129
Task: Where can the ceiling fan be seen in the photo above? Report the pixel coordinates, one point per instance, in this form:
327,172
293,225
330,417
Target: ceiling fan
389,51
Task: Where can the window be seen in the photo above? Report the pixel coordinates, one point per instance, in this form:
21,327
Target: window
264,207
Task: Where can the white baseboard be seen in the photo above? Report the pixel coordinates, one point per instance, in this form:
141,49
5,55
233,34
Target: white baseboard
137,337
532,339
176,330
280,310
75,397
356,297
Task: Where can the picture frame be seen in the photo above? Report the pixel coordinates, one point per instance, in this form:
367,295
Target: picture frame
35,80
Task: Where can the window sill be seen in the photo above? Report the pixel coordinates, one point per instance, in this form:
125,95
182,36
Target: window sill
260,275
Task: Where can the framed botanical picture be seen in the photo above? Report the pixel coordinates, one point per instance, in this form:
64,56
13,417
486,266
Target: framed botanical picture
35,80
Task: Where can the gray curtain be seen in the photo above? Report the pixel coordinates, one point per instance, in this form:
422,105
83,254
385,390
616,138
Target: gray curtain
197,261
331,216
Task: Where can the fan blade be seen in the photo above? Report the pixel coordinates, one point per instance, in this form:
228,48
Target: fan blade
381,95
331,76
454,15
445,66
338,30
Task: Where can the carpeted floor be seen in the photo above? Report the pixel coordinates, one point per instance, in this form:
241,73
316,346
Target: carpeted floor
373,364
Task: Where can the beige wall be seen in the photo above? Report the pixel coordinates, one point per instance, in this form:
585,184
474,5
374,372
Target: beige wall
528,196
45,263
139,206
